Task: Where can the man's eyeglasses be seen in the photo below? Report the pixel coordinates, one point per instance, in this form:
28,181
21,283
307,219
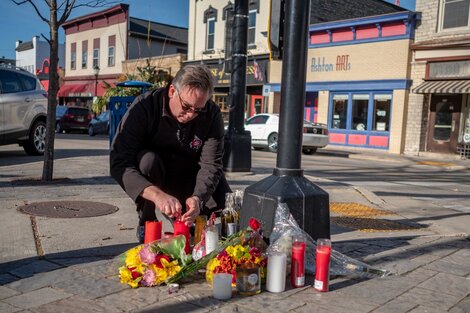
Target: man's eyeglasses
189,108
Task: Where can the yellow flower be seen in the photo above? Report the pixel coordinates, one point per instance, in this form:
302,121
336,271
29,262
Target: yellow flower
210,268
133,258
125,275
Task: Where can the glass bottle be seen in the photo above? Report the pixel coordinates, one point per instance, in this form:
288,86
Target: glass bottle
230,217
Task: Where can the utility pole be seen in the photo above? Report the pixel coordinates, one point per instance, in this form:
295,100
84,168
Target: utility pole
237,157
308,203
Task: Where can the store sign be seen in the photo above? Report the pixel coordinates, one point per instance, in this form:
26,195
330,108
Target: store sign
320,64
454,69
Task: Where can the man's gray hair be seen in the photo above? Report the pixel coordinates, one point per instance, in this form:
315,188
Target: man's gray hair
194,76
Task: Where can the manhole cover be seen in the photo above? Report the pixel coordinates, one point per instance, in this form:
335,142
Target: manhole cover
68,209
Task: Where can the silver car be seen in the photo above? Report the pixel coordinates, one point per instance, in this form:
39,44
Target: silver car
264,129
23,110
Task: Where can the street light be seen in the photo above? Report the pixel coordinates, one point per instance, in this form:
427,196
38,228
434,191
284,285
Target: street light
96,71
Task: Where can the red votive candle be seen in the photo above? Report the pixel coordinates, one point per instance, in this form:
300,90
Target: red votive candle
297,271
153,231
180,228
322,266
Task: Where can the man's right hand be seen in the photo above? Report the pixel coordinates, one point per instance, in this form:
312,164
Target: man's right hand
167,204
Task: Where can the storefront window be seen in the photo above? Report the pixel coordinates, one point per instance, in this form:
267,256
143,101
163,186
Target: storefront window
340,111
360,105
466,123
221,101
381,114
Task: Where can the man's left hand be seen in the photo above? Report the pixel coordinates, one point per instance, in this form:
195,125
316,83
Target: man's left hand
192,210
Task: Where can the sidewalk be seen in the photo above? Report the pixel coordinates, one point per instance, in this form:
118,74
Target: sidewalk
64,265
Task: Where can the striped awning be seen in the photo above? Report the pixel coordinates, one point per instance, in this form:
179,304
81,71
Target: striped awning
444,86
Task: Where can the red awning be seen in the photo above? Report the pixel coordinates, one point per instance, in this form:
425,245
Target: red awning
75,90
82,90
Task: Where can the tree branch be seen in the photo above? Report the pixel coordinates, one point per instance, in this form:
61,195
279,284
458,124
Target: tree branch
35,8
47,39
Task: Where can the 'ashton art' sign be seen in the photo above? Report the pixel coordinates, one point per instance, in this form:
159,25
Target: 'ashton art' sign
319,64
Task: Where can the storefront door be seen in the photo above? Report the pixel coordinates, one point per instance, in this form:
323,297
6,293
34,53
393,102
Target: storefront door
257,105
444,121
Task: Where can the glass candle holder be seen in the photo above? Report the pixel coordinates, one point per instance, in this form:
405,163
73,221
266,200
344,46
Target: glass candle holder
298,261
322,265
201,222
248,279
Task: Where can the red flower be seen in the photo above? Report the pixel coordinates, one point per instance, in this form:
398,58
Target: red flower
158,260
134,273
254,224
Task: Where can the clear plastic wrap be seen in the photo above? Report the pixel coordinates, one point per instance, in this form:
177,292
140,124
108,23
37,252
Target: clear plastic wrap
285,228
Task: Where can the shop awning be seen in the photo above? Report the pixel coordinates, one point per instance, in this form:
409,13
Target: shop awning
74,90
444,86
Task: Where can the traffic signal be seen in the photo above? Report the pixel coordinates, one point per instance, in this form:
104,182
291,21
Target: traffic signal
276,28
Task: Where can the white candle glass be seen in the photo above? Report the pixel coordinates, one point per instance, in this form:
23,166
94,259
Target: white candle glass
222,286
212,238
276,280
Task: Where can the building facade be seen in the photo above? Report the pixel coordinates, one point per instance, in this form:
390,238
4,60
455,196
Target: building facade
358,75
358,79
439,106
31,55
209,38
99,44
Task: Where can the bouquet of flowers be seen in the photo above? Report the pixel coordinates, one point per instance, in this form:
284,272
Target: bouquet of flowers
233,256
155,263
249,251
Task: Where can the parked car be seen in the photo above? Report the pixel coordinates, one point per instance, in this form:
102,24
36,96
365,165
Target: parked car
72,118
264,130
99,124
23,110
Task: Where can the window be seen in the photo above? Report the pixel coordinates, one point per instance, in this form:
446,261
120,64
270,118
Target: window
210,34
29,83
261,119
360,104
381,113
111,56
84,53
340,111
455,14
9,82
73,56
96,52
96,57
251,27
111,49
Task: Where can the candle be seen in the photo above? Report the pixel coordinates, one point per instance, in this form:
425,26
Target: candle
322,266
212,238
297,272
180,228
248,279
222,286
153,231
276,280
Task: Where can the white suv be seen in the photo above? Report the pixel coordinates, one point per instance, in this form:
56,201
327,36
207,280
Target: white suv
23,110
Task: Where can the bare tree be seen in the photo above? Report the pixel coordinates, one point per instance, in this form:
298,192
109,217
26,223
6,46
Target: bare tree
58,15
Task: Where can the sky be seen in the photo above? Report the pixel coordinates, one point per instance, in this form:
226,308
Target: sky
22,22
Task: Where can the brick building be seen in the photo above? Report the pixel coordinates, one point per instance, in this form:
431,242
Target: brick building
439,107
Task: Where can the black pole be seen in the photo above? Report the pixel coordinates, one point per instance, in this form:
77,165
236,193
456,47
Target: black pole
293,84
307,203
237,157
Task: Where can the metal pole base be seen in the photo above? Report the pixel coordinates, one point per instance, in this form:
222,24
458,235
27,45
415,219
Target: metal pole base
308,203
237,156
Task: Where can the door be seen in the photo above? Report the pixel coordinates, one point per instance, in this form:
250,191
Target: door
257,105
444,121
